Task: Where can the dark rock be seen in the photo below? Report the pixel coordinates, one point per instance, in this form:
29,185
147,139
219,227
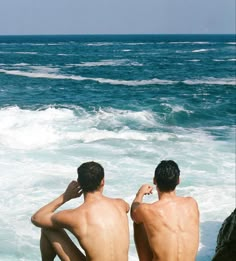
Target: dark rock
226,240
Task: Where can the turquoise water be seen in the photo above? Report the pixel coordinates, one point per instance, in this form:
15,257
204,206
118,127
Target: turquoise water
124,101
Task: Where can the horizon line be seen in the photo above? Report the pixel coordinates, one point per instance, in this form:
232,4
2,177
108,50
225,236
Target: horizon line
113,34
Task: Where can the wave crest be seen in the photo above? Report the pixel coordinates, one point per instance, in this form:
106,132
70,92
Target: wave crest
33,129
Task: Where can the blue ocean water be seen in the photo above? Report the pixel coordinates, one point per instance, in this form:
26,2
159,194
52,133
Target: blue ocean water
126,101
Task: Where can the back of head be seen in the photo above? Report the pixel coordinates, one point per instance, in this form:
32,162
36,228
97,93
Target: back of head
90,175
167,175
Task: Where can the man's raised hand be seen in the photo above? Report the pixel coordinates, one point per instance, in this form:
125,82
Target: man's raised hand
73,191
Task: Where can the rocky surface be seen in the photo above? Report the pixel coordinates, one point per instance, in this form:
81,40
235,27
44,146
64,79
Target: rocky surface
226,240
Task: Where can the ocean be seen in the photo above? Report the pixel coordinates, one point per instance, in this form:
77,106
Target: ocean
125,101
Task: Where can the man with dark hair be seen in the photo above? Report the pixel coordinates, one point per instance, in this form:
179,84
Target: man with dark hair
100,224
167,229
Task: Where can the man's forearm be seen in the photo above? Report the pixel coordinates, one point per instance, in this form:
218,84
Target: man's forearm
42,217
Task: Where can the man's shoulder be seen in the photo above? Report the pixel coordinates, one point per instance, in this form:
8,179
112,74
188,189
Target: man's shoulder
145,207
119,202
190,202
77,210
112,200
187,199
73,211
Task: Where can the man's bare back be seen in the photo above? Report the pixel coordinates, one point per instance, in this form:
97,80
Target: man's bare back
101,226
100,223
171,226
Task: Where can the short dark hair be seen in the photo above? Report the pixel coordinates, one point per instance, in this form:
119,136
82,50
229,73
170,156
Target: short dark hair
90,175
167,175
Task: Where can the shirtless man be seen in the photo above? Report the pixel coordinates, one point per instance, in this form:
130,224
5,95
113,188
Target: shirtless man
168,229
100,224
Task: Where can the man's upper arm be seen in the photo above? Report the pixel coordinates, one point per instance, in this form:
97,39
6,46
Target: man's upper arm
61,219
51,220
137,212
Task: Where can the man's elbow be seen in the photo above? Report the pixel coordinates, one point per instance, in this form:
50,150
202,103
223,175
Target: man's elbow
43,220
35,220
132,214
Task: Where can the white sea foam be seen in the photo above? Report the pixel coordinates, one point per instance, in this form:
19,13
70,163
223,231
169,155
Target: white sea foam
212,81
27,130
194,60
100,44
218,60
133,83
7,52
180,51
202,50
177,108
190,42
65,54
222,60
136,64
202,42
26,52
137,43
35,44
21,64
55,44
44,69
122,62
47,72
80,78
40,150
180,42
35,74
30,130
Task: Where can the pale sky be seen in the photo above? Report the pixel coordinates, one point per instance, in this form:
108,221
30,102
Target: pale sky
117,16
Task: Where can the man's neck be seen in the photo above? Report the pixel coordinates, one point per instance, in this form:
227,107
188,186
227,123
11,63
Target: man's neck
166,195
90,196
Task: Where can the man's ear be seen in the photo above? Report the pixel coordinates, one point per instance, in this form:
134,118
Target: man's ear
154,181
178,180
102,182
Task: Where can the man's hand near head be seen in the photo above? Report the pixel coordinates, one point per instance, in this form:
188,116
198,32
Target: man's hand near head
73,190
